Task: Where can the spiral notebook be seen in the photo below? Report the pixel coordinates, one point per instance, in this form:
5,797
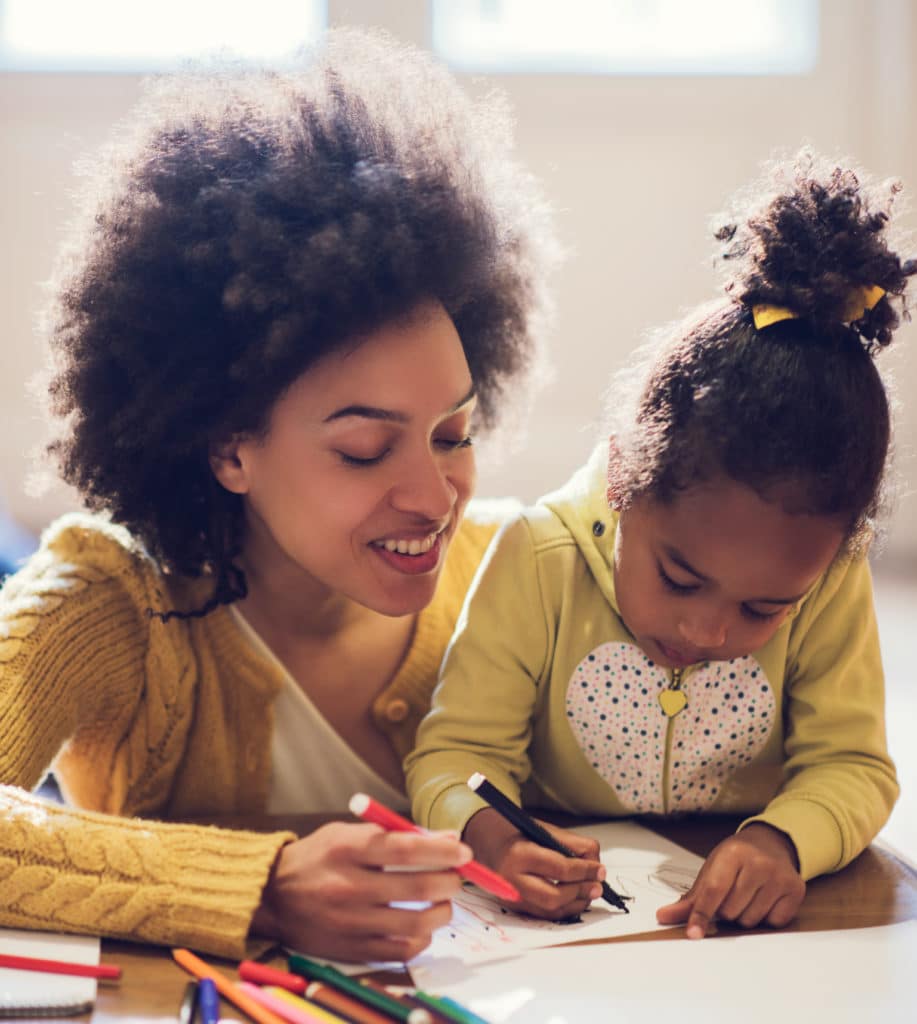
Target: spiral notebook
34,994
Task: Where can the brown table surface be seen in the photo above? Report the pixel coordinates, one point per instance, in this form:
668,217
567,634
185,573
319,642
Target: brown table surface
876,889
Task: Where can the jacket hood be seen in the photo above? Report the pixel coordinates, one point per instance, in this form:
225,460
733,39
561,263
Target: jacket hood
582,506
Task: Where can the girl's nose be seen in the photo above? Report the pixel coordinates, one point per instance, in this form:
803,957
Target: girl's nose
704,632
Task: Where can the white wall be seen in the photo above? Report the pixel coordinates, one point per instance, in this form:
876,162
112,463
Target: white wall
634,167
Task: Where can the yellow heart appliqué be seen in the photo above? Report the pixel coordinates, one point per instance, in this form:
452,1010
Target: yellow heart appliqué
672,701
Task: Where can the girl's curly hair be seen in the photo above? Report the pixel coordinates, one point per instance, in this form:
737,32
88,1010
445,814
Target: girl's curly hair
800,401
247,223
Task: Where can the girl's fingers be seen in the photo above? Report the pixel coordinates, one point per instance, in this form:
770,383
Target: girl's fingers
547,864
543,898
677,912
784,910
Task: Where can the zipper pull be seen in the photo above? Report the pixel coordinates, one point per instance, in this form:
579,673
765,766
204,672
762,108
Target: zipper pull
673,699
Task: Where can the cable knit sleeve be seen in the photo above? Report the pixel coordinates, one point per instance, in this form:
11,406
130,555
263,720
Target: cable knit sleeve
74,653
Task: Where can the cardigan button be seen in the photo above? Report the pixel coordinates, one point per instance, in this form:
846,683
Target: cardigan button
598,528
397,710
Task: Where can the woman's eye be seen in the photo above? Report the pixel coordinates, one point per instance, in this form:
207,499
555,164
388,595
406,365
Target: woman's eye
676,588
356,460
451,444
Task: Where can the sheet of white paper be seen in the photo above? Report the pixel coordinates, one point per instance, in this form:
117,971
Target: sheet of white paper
640,864
40,990
846,977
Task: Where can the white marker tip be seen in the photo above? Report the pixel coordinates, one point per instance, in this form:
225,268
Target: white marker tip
359,804
475,780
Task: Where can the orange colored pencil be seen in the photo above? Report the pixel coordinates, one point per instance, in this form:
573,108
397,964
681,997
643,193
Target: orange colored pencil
194,965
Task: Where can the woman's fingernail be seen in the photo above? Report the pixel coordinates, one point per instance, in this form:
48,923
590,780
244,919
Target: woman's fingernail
695,932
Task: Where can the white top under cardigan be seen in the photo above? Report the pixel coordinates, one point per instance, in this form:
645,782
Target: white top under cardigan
312,769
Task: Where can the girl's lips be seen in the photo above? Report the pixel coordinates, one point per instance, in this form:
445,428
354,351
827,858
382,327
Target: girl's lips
413,565
676,657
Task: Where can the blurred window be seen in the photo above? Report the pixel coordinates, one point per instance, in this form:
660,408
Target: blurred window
628,36
140,36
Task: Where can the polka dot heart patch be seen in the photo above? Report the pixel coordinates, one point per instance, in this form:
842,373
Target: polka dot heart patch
613,709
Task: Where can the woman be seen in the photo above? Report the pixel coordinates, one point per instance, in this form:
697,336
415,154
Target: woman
294,298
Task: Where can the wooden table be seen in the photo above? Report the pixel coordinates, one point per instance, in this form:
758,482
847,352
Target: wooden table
876,889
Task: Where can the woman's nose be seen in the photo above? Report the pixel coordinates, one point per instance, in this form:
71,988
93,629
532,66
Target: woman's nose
425,489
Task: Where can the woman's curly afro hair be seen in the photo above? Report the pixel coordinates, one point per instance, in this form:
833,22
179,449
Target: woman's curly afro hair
250,221
800,402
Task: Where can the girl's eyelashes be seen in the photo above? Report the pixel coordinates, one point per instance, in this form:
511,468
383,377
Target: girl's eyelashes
752,614
676,588
690,588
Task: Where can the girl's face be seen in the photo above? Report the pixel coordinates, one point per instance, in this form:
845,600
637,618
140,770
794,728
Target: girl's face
711,575
363,476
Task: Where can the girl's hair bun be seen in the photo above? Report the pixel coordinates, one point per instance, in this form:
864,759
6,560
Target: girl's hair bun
811,236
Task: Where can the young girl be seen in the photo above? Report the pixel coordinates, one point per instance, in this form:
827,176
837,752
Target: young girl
294,296
688,625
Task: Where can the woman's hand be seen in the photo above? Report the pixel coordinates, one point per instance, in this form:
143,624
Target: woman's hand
550,885
750,878
329,895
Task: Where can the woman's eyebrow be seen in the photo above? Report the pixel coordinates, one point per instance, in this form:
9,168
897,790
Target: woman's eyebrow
683,563
373,412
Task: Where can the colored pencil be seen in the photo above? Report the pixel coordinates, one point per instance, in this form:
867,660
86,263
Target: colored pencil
291,1008
448,1008
365,807
532,831
261,974
343,983
33,963
340,1002
194,965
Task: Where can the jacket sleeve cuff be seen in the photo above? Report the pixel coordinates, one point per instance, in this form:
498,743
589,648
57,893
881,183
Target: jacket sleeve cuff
812,829
453,808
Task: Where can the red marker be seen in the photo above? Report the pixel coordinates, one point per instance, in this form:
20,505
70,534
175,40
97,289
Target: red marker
365,807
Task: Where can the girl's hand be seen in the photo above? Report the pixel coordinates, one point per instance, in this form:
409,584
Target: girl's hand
550,885
748,878
328,894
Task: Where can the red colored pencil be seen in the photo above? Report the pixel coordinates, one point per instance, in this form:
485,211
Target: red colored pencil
32,963
365,807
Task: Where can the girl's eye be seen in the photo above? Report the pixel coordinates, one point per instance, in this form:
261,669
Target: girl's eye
676,588
752,614
355,460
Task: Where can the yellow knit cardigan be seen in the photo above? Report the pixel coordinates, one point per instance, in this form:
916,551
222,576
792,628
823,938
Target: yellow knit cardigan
143,720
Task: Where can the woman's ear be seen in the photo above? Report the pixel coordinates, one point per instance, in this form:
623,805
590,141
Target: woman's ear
612,475
228,467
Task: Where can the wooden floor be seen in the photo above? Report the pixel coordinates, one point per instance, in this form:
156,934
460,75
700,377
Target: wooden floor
896,603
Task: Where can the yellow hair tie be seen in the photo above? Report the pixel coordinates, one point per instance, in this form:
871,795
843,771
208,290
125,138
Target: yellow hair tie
860,300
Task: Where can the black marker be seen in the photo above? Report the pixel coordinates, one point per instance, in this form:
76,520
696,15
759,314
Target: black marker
530,828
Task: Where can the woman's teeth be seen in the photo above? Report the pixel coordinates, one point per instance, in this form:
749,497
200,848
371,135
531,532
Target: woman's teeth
408,547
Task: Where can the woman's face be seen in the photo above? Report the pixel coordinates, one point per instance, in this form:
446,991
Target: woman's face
363,476
712,574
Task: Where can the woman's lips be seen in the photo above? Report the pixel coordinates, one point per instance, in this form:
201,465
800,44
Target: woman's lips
413,565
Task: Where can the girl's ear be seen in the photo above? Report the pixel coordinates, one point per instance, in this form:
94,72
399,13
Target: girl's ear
227,466
612,475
